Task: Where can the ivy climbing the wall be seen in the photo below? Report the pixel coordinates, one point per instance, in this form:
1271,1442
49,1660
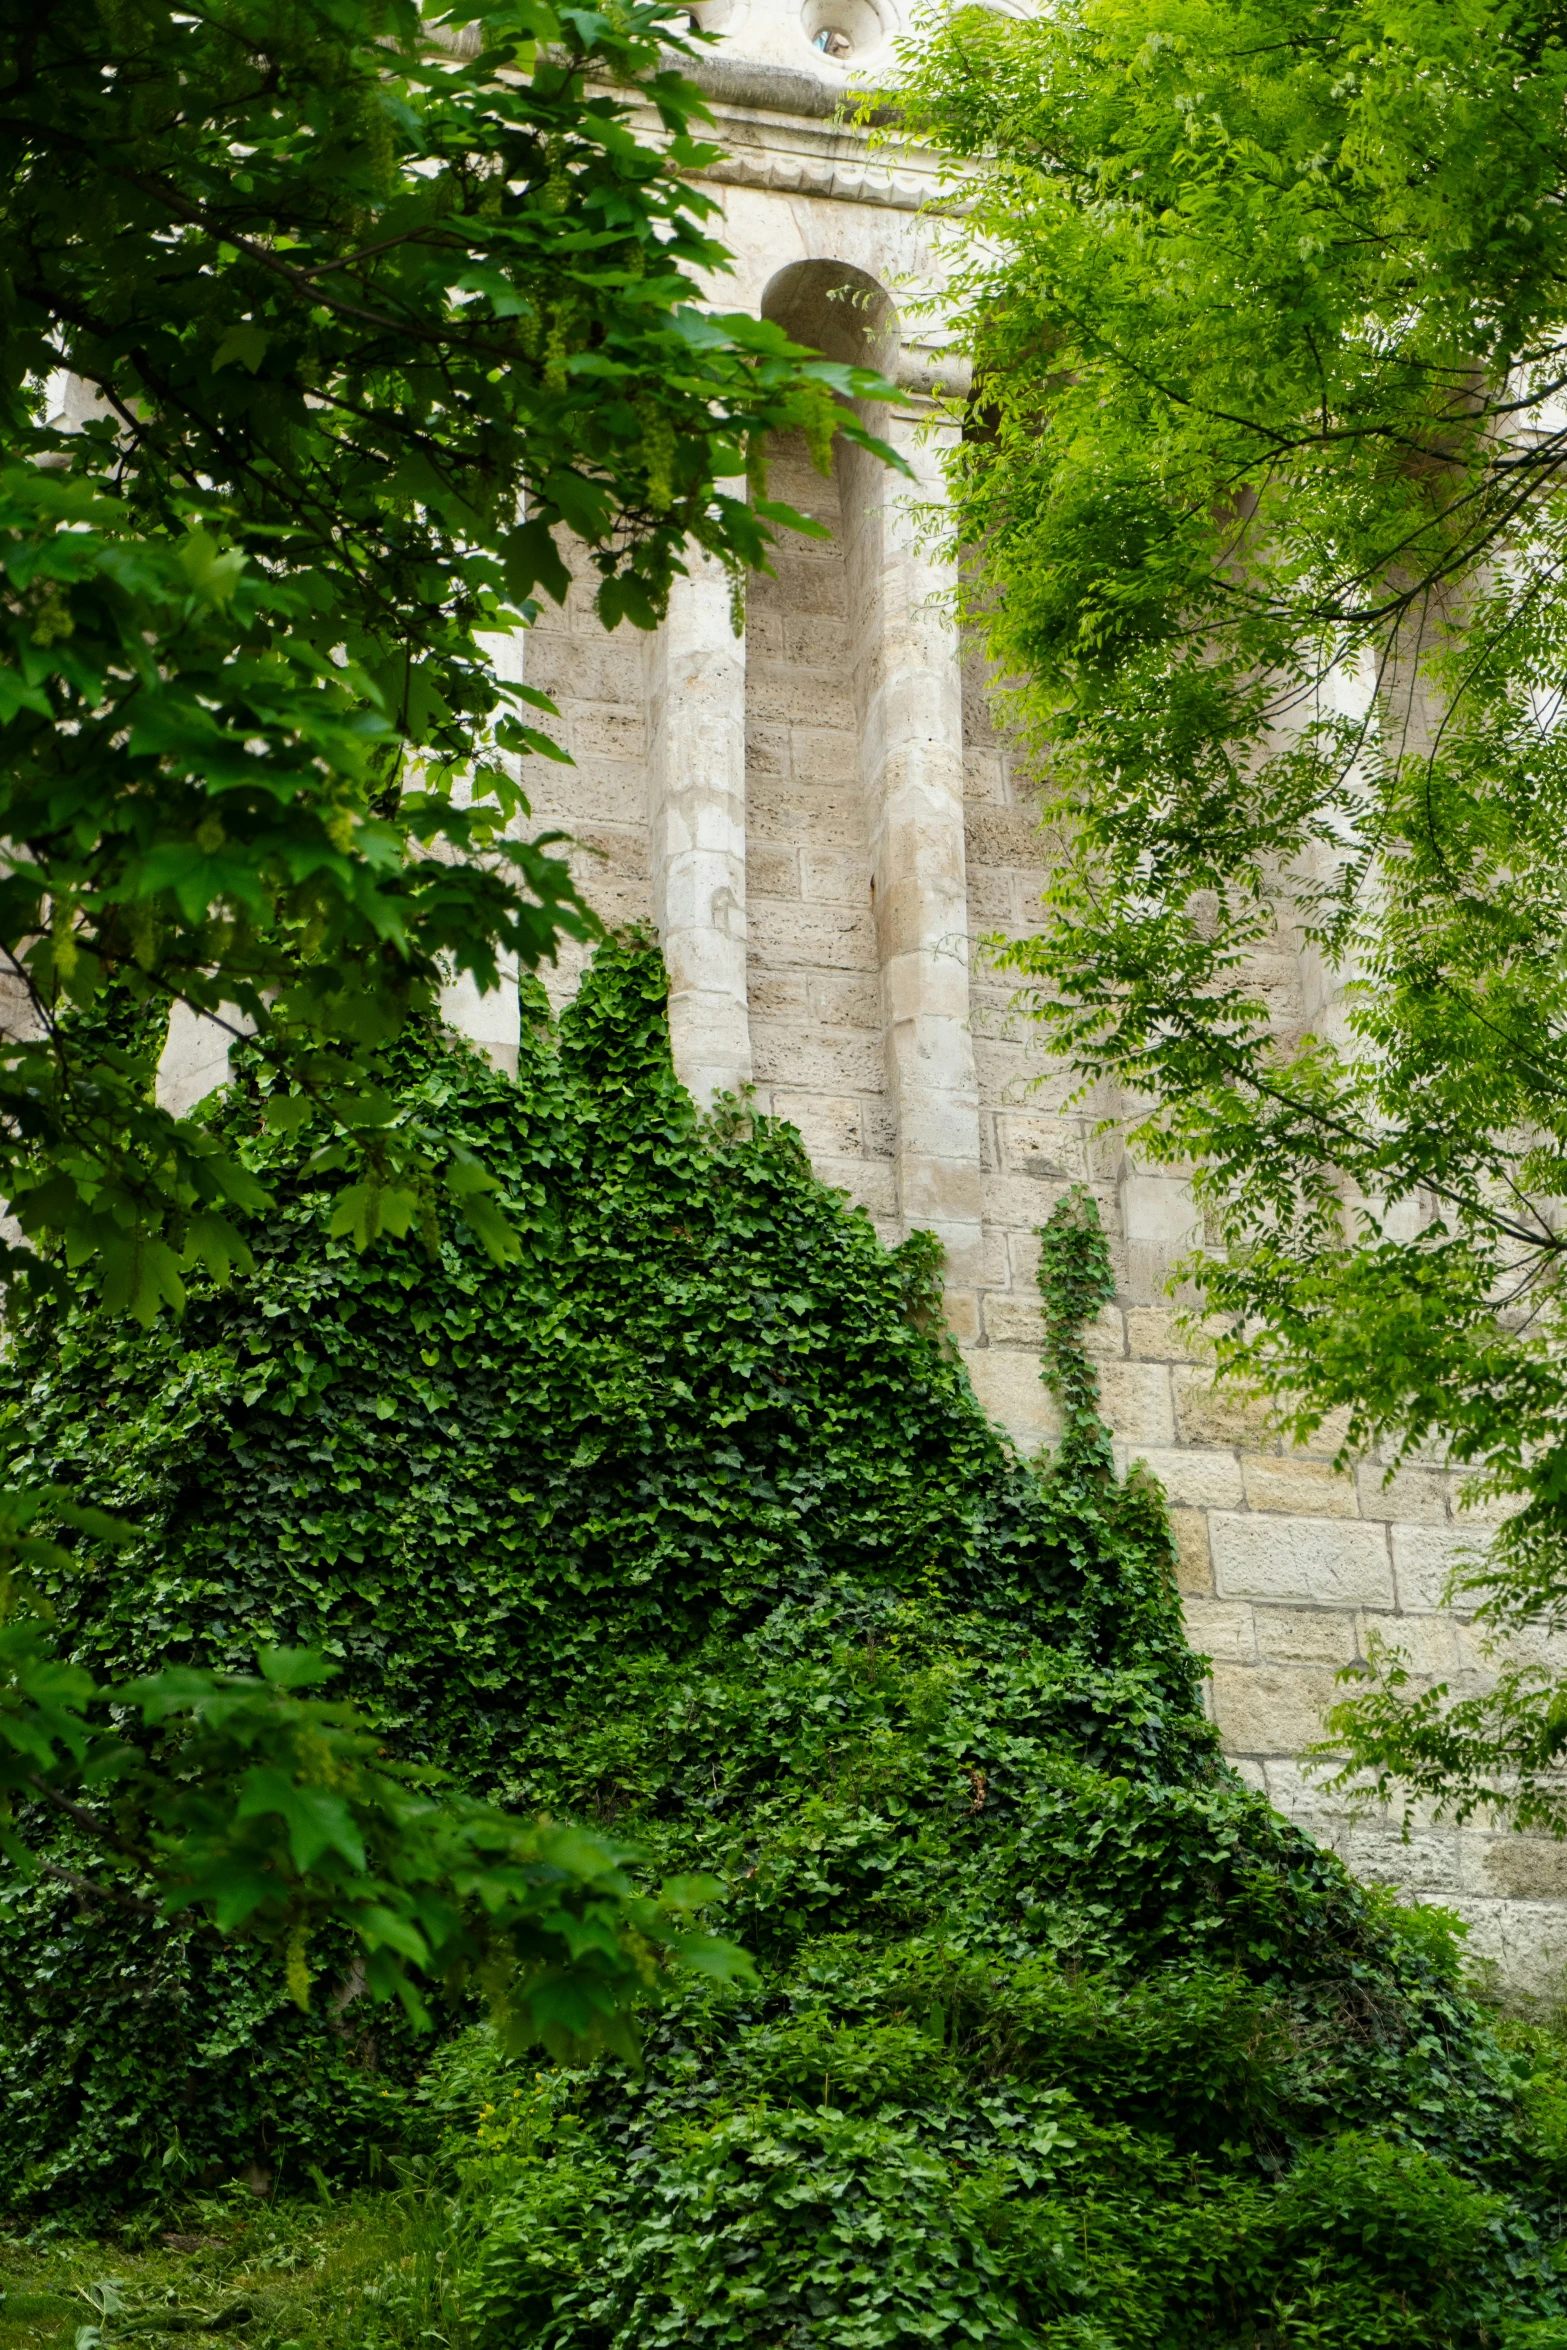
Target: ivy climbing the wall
690,1527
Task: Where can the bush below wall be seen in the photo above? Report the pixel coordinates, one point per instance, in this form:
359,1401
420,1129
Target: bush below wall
691,1526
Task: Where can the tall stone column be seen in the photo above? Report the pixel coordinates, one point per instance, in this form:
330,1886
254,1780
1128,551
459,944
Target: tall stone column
696,817
492,1021
910,708
195,1057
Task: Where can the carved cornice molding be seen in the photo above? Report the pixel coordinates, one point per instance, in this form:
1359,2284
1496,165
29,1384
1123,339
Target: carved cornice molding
850,179
785,131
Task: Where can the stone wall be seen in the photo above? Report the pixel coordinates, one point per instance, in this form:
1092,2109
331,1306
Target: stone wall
1288,1567
825,826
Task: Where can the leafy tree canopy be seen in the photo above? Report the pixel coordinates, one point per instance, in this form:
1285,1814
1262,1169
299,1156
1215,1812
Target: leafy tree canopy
1269,323
319,322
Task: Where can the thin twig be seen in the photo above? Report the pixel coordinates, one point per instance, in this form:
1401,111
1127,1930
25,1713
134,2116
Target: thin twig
96,1892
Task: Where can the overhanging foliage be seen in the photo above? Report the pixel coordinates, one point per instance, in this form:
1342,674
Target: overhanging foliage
319,321
1267,318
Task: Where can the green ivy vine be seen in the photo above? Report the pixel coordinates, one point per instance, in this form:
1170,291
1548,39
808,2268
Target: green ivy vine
689,1526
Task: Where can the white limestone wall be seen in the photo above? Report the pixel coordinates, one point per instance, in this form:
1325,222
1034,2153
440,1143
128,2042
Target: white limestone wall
845,867
1288,1567
909,720
815,1003
696,695
599,684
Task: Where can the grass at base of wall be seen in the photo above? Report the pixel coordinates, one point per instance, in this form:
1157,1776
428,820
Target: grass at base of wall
368,2271
388,2269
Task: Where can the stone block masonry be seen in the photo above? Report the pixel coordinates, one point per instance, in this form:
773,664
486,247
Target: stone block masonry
812,969
830,833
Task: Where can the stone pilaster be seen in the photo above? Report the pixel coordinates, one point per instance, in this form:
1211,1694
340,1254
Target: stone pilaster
492,1021
696,817
195,1057
909,700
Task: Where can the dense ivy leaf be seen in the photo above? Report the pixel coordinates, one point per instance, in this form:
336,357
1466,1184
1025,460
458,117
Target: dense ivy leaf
690,1528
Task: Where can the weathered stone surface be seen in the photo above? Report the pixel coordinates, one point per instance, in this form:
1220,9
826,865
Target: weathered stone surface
1334,1563
790,931
1135,1399
868,1183
1193,1566
607,733
1014,1321
1418,1496
1105,1336
992,897
778,996
1270,1709
1153,1337
821,1060
960,1308
1021,1201
1525,1942
1328,1440
1524,1868
695,735
1197,1480
1158,1226
1221,1629
832,875
603,792
1301,1795
829,1124
195,1057
1306,1635
1008,1386
1484,1651
984,778
1429,1643
1206,1415
1423,1559
772,871
1426,1861
843,999
1003,836
1035,1143
789,811
1283,1481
